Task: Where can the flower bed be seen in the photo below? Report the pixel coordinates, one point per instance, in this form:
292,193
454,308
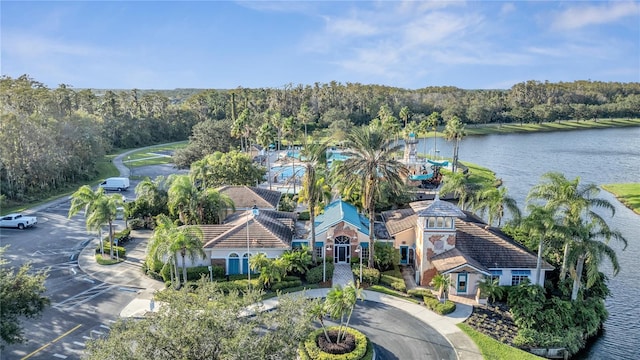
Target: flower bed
310,349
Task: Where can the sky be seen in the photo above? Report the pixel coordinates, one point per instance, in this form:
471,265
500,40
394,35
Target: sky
254,44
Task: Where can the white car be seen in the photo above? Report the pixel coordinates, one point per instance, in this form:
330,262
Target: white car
18,221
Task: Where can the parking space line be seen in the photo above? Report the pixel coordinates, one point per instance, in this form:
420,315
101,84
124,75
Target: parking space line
51,342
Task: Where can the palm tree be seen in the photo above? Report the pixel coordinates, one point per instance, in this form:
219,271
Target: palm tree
340,303
455,131
265,137
405,114
105,209
459,186
573,202
431,122
188,242
85,199
442,283
590,250
313,192
542,225
159,247
370,162
491,288
494,201
182,198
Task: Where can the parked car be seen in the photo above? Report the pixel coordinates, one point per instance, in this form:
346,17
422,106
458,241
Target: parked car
18,221
115,184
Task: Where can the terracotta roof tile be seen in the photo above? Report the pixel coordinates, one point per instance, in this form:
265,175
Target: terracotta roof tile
244,197
399,220
270,229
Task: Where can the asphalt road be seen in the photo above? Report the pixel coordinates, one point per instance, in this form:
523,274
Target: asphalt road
81,307
399,336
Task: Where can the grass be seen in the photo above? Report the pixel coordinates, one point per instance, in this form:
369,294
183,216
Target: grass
387,291
149,156
107,261
492,349
564,125
628,194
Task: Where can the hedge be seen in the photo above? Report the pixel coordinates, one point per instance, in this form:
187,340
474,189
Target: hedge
311,351
314,275
441,308
285,284
107,250
369,275
394,282
420,293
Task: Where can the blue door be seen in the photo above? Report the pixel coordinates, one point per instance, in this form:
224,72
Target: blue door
245,265
404,255
234,266
462,283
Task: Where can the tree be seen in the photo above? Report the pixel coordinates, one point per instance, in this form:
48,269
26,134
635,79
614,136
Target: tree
491,288
589,249
494,201
431,122
231,168
206,323
573,202
405,114
442,283
159,248
21,295
313,191
370,162
455,131
339,304
187,241
265,137
542,225
458,184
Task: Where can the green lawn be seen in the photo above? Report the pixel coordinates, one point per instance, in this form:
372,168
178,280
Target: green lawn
492,349
544,127
152,155
628,194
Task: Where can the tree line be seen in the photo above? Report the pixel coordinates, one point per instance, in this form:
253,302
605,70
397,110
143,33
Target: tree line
52,137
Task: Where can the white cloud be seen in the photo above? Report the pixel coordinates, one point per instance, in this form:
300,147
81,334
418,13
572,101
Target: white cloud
581,16
349,27
507,8
33,46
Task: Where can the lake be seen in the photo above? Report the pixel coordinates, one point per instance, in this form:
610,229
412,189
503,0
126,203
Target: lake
599,156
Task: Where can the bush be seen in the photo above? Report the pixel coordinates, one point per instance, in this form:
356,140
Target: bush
238,285
310,349
394,282
420,293
196,272
285,284
370,276
304,216
395,272
440,308
314,275
107,250
136,224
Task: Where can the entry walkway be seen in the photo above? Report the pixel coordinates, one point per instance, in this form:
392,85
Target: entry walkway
342,275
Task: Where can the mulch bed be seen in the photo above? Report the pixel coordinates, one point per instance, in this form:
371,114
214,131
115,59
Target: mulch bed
346,346
495,321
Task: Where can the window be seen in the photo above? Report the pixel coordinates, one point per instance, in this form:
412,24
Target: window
447,223
365,253
518,276
440,222
318,251
431,223
495,274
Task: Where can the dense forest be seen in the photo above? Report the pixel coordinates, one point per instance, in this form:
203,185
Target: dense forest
50,137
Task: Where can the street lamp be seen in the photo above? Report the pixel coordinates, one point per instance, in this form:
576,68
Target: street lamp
255,211
210,273
324,261
359,251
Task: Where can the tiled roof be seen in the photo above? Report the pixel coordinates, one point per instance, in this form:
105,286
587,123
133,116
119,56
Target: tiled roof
399,220
453,259
244,197
492,248
341,211
441,208
270,229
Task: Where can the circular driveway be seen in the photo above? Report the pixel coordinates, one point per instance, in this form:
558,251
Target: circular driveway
397,335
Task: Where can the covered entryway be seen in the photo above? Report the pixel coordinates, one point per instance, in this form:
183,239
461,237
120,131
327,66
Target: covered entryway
342,250
404,255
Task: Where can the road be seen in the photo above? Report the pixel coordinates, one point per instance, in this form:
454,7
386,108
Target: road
81,307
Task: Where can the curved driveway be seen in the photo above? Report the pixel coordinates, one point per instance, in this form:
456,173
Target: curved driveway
398,335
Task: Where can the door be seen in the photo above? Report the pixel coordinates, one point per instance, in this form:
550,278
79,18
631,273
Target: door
343,254
462,283
404,255
234,265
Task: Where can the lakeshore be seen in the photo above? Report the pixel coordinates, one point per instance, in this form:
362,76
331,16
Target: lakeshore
627,193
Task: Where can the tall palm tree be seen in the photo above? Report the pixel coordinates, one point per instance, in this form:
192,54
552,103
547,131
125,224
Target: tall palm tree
182,199
455,131
494,201
542,225
459,186
159,247
340,303
105,209
589,250
442,283
187,241
85,199
313,191
573,202
265,137
370,162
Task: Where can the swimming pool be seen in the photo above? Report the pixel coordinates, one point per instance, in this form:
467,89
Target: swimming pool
285,172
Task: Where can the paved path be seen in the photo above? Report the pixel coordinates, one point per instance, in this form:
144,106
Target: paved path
342,275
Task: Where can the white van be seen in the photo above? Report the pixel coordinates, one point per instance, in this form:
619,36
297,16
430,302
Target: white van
115,184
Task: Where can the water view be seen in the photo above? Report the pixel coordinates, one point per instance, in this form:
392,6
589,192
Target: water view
596,156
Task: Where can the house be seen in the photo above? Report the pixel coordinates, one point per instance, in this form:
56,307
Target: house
437,237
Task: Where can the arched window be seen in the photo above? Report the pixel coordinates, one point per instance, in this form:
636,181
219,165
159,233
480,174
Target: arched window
431,222
342,240
233,255
440,222
448,223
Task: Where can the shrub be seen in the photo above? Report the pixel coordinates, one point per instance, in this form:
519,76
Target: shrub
136,224
395,272
314,275
394,282
304,216
370,275
440,308
285,284
385,256
196,272
107,250
238,285
310,349
420,293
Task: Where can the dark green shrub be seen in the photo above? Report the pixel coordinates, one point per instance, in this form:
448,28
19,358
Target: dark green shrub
136,224
239,285
394,282
304,216
440,308
285,285
310,349
385,256
291,278
196,272
314,275
121,251
395,272
420,293
370,276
